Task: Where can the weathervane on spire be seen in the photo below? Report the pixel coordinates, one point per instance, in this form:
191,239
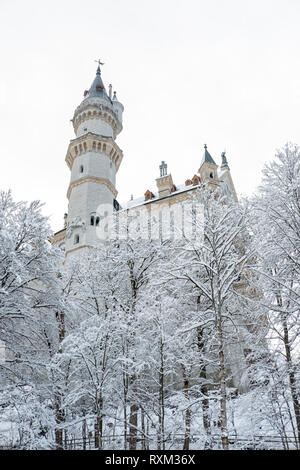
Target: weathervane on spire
99,63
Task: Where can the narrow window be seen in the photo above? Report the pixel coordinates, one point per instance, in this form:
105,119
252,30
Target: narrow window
211,175
97,221
76,239
81,169
92,220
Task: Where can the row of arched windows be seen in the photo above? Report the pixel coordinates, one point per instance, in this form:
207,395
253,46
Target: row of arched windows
96,115
95,220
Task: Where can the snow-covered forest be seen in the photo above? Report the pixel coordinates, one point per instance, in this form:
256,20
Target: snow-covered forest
144,344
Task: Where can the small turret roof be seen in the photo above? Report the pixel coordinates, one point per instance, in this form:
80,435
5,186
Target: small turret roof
207,157
97,88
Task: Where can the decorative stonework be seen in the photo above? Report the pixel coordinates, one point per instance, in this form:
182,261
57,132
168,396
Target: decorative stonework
96,111
92,179
93,143
164,185
75,224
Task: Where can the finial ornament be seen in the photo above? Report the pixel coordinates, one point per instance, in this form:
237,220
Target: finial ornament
99,63
205,146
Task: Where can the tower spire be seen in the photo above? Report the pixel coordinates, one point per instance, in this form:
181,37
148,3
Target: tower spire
97,88
207,157
98,68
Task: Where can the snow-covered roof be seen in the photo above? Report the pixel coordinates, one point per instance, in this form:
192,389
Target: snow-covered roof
141,200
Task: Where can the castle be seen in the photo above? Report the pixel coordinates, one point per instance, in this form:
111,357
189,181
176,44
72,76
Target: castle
94,158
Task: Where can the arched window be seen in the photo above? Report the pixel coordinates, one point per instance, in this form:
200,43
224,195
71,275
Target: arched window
211,175
76,239
92,220
81,169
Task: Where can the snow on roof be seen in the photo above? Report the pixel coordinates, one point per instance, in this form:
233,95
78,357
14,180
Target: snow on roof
141,200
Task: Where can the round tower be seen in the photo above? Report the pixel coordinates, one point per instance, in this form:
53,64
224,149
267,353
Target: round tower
94,159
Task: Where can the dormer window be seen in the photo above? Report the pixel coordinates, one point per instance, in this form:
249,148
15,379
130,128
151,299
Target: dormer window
148,195
195,180
188,182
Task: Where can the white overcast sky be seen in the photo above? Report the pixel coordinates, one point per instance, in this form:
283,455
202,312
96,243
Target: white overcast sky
189,72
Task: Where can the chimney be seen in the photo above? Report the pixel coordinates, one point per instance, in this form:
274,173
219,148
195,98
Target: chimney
164,182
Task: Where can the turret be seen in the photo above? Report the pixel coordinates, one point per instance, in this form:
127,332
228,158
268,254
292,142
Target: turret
94,159
208,167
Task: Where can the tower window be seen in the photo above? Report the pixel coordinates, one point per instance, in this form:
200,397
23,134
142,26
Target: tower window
81,169
211,175
92,220
76,239
97,221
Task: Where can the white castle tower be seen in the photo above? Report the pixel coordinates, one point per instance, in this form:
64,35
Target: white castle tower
94,159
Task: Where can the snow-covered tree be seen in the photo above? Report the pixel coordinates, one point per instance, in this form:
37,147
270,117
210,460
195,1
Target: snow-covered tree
276,227
216,271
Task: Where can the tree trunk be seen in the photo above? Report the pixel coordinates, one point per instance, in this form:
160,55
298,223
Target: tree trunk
143,429
59,413
204,388
187,434
222,379
59,418
133,423
84,434
161,415
291,374
99,422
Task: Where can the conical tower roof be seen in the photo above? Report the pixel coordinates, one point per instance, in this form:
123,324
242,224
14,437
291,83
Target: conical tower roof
207,157
97,88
